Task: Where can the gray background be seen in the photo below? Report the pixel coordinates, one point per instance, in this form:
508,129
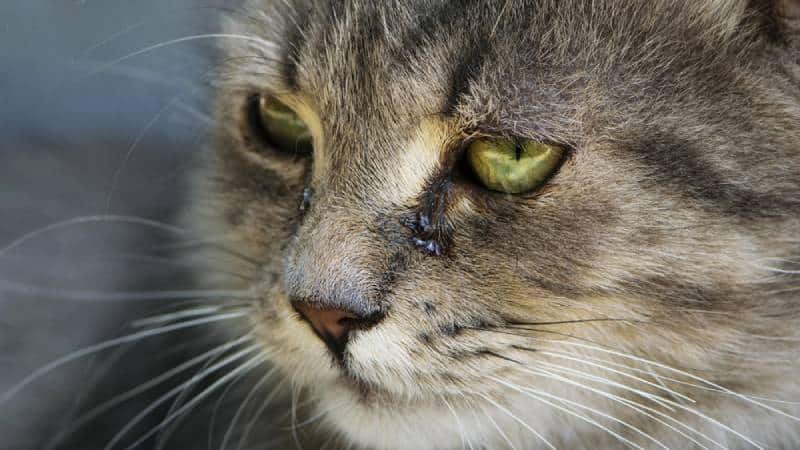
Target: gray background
81,137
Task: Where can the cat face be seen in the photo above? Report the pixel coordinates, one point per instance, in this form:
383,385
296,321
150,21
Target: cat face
418,308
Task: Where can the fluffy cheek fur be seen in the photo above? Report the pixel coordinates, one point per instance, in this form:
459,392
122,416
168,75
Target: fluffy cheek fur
446,355
656,239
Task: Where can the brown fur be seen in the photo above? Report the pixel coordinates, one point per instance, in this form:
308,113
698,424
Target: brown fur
671,234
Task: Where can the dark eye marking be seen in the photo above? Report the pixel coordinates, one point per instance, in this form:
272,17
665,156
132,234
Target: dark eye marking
428,307
429,225
451,329
426,338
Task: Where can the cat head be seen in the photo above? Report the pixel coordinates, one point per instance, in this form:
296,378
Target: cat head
418,299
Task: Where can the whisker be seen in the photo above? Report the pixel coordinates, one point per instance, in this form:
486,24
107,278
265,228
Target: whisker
170,317
165,434
537,395
578,321
600,347
499,430
134,26
138,139
652,397
142,74
619,372
99,296
293,410
140,136
507,331
636,406
325,444
317,416
718,391
681,382
518,420
215,411
686,374
108,405
91,219
461,431
196,37
249,427
175,391
38,373
683,407
193,112
239,411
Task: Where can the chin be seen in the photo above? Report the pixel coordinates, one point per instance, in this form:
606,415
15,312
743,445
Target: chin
386,424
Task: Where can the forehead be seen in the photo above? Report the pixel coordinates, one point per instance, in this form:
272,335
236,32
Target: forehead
498,62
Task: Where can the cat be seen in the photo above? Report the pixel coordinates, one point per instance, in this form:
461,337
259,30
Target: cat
501,224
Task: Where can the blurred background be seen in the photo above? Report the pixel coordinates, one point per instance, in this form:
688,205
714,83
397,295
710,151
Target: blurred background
102,120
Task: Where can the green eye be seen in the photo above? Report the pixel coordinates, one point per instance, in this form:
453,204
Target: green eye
280,126
513,166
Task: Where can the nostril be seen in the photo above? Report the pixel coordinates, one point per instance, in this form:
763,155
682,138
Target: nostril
333,325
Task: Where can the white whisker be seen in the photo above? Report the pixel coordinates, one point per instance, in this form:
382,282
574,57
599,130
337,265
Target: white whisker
618,372
537,395
108,405
686,374
675,380
249,427
254,39
499,430
461,432
586,376
38,373
239,411
170,317
91,219
214,412
636,406
202,395
518,420
293,410
98,296
138,139
678,405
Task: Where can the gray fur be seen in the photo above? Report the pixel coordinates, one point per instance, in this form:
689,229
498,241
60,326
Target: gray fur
682,183
665,248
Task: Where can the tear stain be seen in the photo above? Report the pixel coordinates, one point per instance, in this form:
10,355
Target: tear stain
431,230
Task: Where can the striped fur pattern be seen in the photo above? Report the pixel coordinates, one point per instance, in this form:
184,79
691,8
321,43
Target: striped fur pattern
647,297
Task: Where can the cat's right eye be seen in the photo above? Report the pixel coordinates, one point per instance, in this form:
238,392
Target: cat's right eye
513,166
278,126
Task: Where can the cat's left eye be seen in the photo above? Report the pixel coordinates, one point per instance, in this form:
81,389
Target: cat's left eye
513,165
279,126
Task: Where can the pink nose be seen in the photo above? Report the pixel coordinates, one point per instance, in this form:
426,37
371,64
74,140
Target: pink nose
332,324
